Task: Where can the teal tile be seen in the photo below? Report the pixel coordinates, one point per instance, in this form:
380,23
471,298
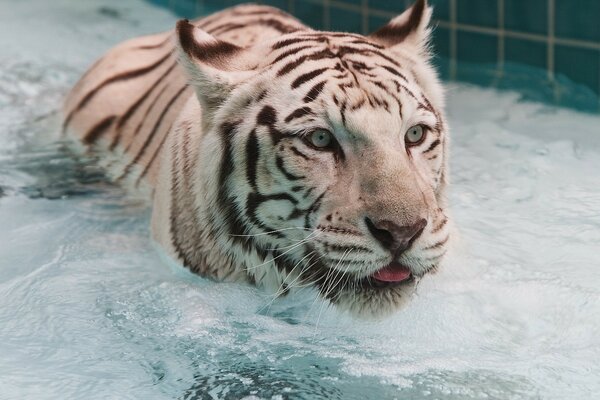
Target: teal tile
441,9
395,6
526,52
344,20
310,13
184,8
578,64
526,16
164,3
475,73
477,12
441,42
376,22
281,4
351,2
578,19
476,47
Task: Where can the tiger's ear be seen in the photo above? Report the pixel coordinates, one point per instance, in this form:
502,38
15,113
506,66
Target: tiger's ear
214,66
409,28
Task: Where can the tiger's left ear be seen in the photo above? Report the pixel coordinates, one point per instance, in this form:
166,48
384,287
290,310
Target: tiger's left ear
409,28
214,66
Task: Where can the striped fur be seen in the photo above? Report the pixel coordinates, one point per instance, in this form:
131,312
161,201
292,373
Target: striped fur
216,118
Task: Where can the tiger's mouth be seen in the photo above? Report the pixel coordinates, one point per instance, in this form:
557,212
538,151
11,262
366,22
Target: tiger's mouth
391,275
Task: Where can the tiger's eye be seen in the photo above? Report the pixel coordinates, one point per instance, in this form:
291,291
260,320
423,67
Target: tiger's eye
321,138
414,135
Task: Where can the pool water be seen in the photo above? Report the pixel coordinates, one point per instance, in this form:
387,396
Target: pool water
90,308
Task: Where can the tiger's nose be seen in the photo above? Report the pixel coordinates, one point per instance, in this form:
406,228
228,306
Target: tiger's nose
394,237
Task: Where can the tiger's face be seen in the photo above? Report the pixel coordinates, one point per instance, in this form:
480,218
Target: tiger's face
334,147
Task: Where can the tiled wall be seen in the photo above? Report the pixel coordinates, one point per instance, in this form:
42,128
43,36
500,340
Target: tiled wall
483,41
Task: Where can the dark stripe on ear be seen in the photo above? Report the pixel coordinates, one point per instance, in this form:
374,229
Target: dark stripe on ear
391,34
214,52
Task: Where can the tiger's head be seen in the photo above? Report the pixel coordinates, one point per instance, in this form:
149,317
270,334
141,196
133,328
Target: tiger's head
327,158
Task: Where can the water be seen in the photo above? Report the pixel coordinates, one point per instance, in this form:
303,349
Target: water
89,310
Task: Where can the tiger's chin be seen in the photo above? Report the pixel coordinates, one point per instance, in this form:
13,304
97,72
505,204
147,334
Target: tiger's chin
379,294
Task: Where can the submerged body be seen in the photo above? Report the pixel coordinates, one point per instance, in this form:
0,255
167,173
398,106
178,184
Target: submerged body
280,155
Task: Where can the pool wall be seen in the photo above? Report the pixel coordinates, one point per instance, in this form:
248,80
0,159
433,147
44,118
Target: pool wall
547,49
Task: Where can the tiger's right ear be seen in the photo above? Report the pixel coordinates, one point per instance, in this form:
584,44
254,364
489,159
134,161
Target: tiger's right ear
214,66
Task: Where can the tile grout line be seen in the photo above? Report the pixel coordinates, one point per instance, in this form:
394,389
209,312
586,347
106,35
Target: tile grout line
522,35
550,43
364,14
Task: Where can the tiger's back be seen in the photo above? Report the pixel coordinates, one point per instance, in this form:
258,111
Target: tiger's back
128,101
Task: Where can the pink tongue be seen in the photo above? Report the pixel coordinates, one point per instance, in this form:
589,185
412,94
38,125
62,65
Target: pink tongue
392,273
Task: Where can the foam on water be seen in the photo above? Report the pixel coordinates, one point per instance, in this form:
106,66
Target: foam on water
89,309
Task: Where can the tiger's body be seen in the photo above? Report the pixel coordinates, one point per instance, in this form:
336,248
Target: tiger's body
213,118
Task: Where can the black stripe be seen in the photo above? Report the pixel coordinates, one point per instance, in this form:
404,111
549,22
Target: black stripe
288,42
437,244
148,139
307,77
254,200
299,153
156,45
117,78
153,158
131,110
252,154
146,114
286,173
314,92
321,54
343,112
267,116
440,225
433,145
98,129
313,207
289,53
298,113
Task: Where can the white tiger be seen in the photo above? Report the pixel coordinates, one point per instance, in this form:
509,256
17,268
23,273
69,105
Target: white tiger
280,155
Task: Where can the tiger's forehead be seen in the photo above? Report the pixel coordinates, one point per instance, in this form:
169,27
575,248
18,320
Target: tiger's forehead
344,78
297,49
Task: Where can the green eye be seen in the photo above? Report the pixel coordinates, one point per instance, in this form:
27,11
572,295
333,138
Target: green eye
321,138
414,135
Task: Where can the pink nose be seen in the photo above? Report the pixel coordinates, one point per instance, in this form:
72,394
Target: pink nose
394,237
